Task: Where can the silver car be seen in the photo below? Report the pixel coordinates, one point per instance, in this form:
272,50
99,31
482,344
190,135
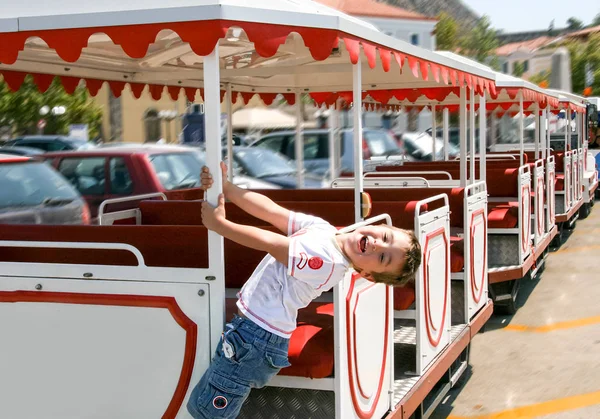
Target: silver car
34,193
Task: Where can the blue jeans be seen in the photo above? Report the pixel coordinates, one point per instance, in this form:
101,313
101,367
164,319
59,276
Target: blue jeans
247,357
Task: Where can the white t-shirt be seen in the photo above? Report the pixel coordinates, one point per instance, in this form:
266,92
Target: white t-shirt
273,295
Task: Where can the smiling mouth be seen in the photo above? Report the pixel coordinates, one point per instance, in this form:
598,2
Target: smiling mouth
362,244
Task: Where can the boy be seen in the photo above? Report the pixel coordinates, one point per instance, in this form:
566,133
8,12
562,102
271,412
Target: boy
310,259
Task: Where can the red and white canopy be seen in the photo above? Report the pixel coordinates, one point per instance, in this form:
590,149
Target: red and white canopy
265,46
504,98
569,100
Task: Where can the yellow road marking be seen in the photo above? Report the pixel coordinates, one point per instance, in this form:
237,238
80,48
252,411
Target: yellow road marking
553,326
541,409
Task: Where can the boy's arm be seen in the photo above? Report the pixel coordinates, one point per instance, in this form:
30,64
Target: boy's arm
258,206
255,238
253,203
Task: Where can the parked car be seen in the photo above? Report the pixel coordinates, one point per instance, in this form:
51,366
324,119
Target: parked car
241,180
420,147
454,135
32,192
270,166
113,172
376,143
21,151
50,142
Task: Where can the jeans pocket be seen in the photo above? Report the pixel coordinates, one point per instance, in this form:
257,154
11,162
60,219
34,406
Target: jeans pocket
238,349
277,361
222,398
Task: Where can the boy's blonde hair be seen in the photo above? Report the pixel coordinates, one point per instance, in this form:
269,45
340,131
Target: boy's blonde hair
412,261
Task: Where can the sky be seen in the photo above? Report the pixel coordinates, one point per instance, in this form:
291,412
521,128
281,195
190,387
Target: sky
524,15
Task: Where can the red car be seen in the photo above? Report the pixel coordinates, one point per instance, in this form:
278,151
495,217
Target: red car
112,172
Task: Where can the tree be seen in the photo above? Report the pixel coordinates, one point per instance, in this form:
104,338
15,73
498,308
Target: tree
585,59
574,24
480,42
518,69
21,109
596,21
551,28
542,79
446,32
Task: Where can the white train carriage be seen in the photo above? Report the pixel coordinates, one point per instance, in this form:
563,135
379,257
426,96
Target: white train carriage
129,315
519,185
567,159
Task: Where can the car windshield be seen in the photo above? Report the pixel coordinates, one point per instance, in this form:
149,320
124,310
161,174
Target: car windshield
260,162
82,144
178,170
30,184
380,143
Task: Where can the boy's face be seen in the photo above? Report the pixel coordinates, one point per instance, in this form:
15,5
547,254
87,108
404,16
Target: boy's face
375,249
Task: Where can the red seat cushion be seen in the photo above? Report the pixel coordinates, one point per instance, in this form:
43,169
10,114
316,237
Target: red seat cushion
311,345
457,256
559,182
404,297
503,215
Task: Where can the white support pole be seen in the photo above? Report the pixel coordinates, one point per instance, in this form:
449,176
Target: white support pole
567,126
463,136
494,129
446,124
472,150
578,129
433,133
358,156
299,143
229,102
548,130
216,249
536,110
332,146
521,128
543,130
482,136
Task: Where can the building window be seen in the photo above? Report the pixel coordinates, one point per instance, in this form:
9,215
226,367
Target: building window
152,126
525,66
414,38
388,33
505,67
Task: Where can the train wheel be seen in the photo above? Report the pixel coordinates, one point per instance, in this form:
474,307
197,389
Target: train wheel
558,239
505,296
584,212
511,304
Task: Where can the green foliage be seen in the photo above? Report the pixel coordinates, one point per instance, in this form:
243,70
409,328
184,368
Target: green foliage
518,69
480,42
446,32
584,56
574,24
21,109
596,21
540,78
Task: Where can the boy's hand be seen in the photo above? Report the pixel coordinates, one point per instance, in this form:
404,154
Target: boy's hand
213,217
206,180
